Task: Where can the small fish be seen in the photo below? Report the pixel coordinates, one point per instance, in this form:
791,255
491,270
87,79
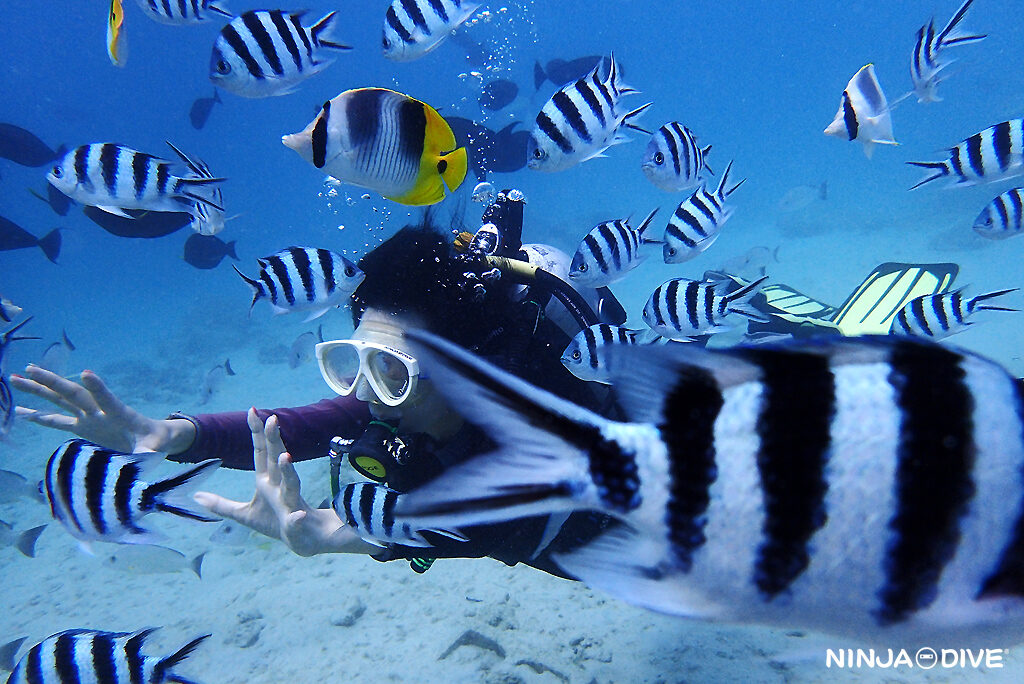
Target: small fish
6,398
412,28
581,121
231,533
199,114
991,155
681,309
207,251
302,348
368,508
98,494
928,62
148,559
24,148
13,236
145,224
304,279
752,264
8,310
385,141
115,178
697,221
58,355
610,251
802,196
78,656
16,487
498,94
586,355
117,44
265,53
673,160
24,541
182,12
560,71
863,113
940,315
213,379
1003,217
740,479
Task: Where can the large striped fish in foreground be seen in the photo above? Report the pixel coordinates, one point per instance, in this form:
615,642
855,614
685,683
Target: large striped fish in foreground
369,509
304,279
412,28
88,656
581,121
269,52
681,309
673,160
98,494
863,113
385,141
991,155
183,12
610,251
940,315
114,178
697,221
928,62
1003,217
868,487
587,353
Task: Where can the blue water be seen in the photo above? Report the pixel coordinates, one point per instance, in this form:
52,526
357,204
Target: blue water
759,81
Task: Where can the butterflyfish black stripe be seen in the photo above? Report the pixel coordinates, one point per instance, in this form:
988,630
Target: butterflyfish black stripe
548,127
412,122
608,236
318,137
367,494
439,10
933,475
280,270
595,248
140,173
1002,144
572,115
258,31
95,484
103,658
794,433
974,154
849,117
391,17
688,429
64,659
277,16
413,10
127,476
108,166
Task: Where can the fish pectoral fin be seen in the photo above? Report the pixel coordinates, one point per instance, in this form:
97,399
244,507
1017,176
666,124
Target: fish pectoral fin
317,313
599,153
116,211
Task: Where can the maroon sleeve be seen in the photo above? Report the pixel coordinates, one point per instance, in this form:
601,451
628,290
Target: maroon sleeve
306,431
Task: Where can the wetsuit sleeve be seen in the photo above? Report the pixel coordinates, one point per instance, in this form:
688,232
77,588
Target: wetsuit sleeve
306,431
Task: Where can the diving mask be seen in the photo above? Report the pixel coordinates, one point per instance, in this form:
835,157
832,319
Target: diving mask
390,372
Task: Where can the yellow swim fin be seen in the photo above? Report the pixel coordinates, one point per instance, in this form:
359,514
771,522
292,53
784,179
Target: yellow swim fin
871,307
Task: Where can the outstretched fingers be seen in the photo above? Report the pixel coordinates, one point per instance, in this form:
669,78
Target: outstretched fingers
105,399
259,442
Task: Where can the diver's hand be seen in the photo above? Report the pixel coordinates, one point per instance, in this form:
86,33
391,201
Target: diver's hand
97,415
277,508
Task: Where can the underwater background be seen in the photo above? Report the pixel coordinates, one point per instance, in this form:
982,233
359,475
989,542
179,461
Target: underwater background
758,81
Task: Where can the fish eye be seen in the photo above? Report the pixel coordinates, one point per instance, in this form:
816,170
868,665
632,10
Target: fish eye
57,173
583,268
671,251
223,67
538,153
659,158
576,355
349,271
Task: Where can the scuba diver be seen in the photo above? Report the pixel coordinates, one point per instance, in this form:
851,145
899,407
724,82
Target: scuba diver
482,293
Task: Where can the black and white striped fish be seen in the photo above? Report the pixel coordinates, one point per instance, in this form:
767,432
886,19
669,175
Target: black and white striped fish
98,494
864,113
581,121
681,309
269,52
113,178
369,509
304,279
941,315
412,28
991,155
697,221
586,355
928,62
1003,217
866,487
673,160
610,251
183,12
88,656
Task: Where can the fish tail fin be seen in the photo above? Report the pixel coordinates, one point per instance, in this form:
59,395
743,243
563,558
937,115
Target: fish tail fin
973,305
951,35
617,87
722,191
219,10
538,75
257,288
941,169
173,495
738,302
8,651
636,112
321,30
161,671
704,153
27,540
643,228
194,165
50,244
455,167
229,249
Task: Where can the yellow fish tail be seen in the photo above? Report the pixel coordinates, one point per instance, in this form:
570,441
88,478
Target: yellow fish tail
456,164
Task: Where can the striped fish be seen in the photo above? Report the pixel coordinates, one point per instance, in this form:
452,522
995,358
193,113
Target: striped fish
941,315
270,52
369,509
697,221
304,279
183,12
412,28
385,141
98,494
581,121
864,113
991,155
87,656
681,309
673,160
114,178
610,251
586,355
928,62
867,487
1003,217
